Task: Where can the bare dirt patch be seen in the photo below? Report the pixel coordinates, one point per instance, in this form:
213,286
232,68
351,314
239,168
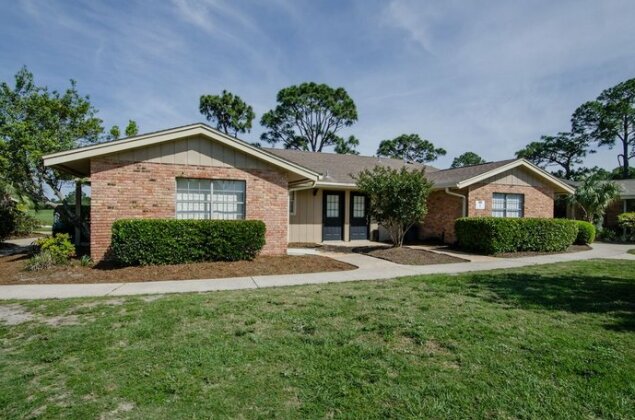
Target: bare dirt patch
404,255
14,314
12,269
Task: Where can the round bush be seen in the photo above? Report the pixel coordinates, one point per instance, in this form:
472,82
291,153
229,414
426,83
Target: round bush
586,233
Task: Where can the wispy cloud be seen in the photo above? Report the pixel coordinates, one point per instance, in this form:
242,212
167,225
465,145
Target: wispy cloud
483,76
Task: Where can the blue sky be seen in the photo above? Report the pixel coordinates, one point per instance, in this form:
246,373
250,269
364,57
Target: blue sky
485,76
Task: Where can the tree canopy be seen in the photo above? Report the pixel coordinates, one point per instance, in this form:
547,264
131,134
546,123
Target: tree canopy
593,196
35,121
308,117
228,112
132,129
411,148
610,119
398,198
347,146
467,159
564,150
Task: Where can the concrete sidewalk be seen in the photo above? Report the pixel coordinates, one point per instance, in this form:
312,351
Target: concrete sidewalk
369,268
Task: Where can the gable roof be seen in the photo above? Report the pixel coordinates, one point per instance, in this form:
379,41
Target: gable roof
321,169
469,175
338,169
77,161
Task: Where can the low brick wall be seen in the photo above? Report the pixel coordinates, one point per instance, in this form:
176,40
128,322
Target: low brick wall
148,190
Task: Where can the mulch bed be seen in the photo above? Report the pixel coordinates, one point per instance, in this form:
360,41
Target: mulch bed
571,249
12,270
403,255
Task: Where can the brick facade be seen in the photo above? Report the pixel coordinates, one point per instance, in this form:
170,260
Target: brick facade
538,199
148,190
444,209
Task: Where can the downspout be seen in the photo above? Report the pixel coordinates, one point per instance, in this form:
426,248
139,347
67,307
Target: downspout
463,200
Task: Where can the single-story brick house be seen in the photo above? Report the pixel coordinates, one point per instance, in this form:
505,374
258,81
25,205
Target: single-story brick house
625,203
198,172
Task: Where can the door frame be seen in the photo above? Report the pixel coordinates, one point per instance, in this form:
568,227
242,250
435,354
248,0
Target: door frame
342,209
352,196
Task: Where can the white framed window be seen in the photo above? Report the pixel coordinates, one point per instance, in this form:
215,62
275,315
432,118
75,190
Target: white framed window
332,205
359,206
210,199
292,203
507,205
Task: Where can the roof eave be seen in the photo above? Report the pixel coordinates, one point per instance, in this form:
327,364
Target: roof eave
57,160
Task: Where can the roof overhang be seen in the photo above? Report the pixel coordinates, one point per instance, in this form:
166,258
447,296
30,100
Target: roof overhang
560,186
77,161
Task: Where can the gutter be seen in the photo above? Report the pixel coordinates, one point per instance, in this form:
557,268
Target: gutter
463,200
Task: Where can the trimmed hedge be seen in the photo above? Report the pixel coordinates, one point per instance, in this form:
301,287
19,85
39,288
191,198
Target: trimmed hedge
586,233
493,235
170,241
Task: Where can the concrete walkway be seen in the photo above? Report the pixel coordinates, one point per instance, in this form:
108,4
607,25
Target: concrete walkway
369,269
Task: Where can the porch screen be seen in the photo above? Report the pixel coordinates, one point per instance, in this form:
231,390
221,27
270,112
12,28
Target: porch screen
210,199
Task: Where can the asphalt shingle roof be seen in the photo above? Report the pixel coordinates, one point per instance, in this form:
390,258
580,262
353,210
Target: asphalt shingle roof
452,176
340,168
627,186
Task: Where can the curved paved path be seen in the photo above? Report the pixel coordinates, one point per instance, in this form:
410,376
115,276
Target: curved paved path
369,269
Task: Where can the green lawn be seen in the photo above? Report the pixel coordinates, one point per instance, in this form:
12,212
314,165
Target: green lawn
547,341
44,216
631,251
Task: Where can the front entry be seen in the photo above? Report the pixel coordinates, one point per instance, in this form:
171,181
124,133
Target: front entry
333,216
359,226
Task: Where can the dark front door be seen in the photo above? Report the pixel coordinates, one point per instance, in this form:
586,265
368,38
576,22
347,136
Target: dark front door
359,216
333,216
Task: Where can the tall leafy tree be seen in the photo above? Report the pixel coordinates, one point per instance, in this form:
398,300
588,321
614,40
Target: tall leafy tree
467,159
564,150
229,112
35,121
308,117
398,198
347,146
132,129
610,120
114,133
411,148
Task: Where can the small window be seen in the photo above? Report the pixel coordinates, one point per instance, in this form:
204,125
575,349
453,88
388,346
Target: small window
507,205
332,205
292,203
359,204
210,199
630,205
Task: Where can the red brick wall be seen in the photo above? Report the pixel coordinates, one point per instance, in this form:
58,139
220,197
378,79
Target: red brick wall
148,190
443,210
538,199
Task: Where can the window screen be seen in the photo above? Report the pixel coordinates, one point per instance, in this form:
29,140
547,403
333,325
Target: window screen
507,205
210,199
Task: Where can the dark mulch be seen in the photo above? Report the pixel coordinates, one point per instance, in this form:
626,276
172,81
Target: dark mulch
571,249
403,255
12,269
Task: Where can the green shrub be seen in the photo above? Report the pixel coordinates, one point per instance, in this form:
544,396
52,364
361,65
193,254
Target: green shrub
8,213
25,223
627,222
586,233
41,261
170,241
59,246
493,235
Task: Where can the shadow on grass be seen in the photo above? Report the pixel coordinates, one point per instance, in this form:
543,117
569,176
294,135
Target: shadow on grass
574,293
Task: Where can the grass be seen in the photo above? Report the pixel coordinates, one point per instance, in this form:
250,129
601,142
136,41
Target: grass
545,341
631,251
44,216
